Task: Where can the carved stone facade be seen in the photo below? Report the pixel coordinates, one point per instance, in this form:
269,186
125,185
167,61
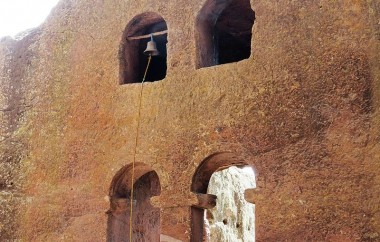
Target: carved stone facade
302,109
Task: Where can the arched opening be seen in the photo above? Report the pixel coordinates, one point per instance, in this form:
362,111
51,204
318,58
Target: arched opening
145,217
224,32
133,62
232,219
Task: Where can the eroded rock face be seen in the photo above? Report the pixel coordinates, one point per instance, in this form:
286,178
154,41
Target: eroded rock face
233,218
303,109
16,60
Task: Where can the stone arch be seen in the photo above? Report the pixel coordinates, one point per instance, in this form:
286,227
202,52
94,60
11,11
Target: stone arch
224,32
200,183
146,218
132,59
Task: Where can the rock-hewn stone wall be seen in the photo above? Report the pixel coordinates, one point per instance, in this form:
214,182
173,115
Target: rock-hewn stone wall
303,110
16,65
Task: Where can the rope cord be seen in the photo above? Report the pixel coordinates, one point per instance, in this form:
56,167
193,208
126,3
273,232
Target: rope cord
134,154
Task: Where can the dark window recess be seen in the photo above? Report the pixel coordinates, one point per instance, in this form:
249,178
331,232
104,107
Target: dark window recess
224,32
133,62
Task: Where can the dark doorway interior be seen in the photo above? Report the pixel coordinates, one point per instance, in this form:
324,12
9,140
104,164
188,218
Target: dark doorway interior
145,218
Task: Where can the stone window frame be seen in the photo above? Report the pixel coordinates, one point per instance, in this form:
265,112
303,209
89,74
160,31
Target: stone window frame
129,55
200,181
206,44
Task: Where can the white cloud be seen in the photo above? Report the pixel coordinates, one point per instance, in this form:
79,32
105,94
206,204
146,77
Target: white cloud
19,15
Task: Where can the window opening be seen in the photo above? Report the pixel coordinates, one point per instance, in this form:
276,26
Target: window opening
232,219
133,62
146,218
224,32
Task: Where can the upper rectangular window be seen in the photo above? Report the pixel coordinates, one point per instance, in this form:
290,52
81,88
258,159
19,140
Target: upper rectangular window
224,32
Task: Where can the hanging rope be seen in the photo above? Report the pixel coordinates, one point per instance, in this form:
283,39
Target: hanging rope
134,154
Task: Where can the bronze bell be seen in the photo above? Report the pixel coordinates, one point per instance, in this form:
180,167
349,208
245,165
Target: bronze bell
151,48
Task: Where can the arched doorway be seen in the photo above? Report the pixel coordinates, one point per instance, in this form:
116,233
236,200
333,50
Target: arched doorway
222,166
145,218
132,59
224,32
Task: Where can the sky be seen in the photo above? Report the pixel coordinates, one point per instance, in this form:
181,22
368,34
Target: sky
19,15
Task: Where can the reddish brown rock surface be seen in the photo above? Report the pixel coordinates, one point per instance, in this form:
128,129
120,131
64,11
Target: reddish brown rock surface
303,110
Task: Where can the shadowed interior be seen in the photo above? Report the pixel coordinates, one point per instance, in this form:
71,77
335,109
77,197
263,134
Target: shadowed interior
133,62
146,218
224,32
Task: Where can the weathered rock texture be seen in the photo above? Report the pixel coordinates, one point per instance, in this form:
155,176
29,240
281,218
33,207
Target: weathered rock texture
303,110
233,218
